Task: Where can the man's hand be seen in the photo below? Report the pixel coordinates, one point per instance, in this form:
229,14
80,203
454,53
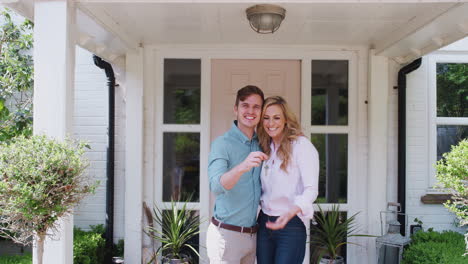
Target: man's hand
253,160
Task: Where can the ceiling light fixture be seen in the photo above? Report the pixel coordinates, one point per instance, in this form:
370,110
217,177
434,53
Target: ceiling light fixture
265,19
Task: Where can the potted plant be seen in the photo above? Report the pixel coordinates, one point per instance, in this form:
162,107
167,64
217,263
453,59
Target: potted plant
330,232
173,228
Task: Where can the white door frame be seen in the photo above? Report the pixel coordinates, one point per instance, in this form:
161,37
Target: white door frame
356,57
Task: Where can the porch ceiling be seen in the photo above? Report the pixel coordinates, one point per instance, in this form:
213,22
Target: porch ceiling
402,30
393,29
305,24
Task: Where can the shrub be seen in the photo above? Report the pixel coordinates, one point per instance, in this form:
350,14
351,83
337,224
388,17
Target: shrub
452,173
23,259
88,246
41,180
435,248
119,249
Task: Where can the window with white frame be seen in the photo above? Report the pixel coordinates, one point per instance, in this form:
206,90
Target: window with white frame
180,137
329,132
449,104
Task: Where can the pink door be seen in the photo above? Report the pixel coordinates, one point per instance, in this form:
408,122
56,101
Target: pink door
274,77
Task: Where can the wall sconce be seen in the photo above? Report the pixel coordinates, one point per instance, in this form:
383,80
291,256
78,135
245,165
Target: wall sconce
265,19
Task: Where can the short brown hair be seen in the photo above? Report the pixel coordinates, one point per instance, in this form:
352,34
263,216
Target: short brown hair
247,91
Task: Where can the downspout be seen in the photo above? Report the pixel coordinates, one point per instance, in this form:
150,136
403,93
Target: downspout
402,139
109,235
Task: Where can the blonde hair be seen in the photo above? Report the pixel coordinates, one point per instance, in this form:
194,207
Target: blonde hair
292,130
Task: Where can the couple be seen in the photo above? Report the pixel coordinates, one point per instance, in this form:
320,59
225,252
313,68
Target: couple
277,167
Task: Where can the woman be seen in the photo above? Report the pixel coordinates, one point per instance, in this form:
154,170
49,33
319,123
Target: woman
289,185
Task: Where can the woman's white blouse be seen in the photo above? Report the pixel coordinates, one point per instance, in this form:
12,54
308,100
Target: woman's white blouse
298,186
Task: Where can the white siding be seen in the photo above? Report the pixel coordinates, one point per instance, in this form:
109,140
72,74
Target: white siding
90,122
417,158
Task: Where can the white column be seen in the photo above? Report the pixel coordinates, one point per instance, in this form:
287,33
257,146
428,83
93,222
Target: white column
54,61
378,138
134,157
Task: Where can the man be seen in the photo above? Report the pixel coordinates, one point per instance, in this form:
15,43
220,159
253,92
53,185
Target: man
234,175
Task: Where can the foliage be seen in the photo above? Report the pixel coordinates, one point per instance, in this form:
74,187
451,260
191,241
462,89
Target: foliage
16,77
89,246
118,250
41,180
332,229
187,106
178,227
452,89
452,174
435,248
17,259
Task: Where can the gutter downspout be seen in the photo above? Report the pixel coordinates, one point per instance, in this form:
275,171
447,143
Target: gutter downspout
402,139
109,235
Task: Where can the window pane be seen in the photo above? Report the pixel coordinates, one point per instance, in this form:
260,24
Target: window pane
333,178
317,251
448,136
452,89
329,92
182,83
181,167
194,241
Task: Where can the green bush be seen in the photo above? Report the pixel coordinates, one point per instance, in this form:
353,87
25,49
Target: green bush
88,246
452,174
24,259
435,248
118,249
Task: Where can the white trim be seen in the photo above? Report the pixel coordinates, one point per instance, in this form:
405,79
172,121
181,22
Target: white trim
455,121
134,157
378,143
329,129
203,129
189,206
434,121
181,128
54,63
306,94
205,136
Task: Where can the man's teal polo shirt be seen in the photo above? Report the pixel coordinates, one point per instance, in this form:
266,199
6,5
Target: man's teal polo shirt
237,206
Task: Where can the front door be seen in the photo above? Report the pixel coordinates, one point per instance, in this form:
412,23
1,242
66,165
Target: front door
274,77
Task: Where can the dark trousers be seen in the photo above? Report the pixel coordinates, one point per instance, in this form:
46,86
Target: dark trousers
284,246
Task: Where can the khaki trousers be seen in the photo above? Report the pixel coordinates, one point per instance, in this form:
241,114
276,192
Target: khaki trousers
230,247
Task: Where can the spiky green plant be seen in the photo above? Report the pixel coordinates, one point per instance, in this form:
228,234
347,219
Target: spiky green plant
331,231
173,228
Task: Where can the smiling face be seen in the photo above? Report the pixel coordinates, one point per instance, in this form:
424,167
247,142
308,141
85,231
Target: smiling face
274,122
248,113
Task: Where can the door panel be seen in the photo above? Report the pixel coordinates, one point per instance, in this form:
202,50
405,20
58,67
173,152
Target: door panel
274,77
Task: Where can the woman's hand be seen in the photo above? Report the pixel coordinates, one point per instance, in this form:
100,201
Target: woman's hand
282,220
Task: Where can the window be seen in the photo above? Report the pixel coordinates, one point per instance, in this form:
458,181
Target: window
331,126
180,137
181,150
448,110
329,114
